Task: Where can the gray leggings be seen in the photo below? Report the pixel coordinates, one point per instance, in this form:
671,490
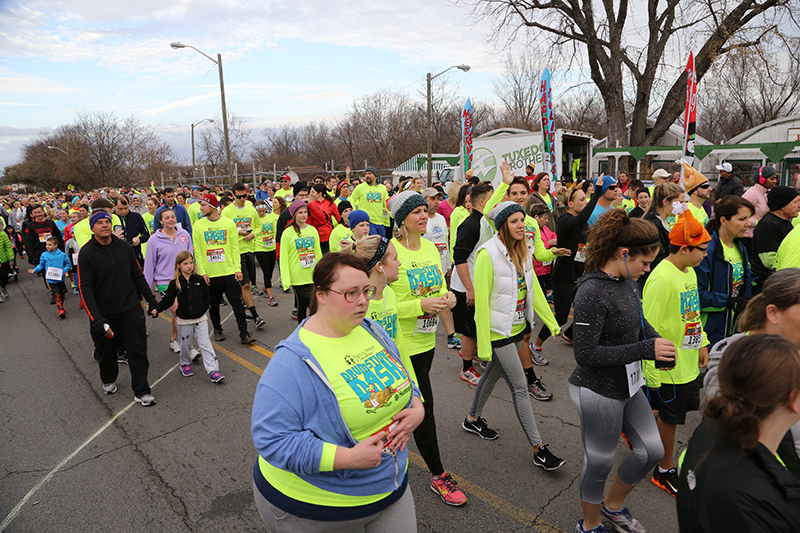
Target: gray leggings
602,421
505,363
400,517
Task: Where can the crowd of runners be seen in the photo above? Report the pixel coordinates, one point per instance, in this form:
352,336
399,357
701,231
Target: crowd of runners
661,291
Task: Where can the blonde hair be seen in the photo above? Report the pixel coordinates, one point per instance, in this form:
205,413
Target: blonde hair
181,257
364,249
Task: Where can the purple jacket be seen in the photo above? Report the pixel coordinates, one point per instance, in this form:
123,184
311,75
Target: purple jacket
159,261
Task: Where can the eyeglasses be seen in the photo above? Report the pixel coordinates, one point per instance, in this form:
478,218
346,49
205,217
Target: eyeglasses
703,249
351,295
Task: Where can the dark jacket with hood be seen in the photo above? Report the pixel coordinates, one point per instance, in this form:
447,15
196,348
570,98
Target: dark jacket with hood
193,298
715,285
730,185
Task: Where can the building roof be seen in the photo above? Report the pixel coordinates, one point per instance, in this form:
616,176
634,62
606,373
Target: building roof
742,137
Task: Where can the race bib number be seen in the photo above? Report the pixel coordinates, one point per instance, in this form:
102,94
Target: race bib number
692,337
54,274
44,236
387,440
243,225
519,313
268,241
580,254
385,213
75,259
426,323
307,260
547,263
737,288
635,377
216,255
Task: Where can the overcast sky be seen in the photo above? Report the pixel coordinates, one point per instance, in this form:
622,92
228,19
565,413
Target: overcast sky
284,62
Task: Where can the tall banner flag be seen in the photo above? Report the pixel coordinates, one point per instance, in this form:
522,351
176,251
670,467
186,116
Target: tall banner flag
548,124
690,114
466,135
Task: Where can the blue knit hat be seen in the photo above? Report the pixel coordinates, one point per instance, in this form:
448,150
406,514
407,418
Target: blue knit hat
356,217
403,203
502,211
606,181
98,216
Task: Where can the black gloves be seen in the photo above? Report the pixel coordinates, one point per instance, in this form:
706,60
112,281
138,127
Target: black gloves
153,306
98,326
737,303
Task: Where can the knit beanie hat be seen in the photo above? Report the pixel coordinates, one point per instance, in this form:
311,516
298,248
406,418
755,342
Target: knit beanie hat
403,203
211,200
502,211
692,178
687,231
604,181
296,206
356,217
299,186
371,169
765,172
344,204
779,196
97,216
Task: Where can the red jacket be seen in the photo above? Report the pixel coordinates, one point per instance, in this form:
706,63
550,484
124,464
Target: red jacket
320,215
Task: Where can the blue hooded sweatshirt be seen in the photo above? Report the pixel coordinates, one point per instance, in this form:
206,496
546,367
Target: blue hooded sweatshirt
57,259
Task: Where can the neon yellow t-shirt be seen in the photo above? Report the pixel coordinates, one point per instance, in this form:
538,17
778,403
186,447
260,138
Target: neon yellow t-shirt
732,256
299,254
384,312
339,232
789,250
245,218
370,386
671,304
420,277
148,221
265,233
458,216
194,211
548,200
698,213
216,251
372,200
286,195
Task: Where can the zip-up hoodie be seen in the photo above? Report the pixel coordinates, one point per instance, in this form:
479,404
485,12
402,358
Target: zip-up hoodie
57,259
110,279
714,283
608,334
296,415
193,298
159,262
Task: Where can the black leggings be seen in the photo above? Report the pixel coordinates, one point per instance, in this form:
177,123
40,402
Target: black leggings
563,292
425,434
303,293
5,270
266,260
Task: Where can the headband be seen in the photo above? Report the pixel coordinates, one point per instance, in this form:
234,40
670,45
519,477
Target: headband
379,252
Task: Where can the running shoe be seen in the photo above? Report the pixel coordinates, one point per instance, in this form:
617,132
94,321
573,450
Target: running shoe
216,377
195,354
52,299
271,301
4,292
109,388
2,297
545,458
254,290
537,357
62,313
145,399
622,520
454,342
259,322
470,375
222,301
218,335
294,314
447,489
122,359
81,306
75,290
247,339
666,480
599,529
479,427
549,297
186,370
537,390
175,346
566,339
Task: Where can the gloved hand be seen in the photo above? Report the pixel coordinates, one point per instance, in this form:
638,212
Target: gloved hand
152,309
97,326
737,303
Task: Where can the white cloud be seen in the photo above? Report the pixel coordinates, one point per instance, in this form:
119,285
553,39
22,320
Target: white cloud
13,82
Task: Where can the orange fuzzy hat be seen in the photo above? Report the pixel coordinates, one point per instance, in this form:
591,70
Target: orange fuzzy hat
687,231
692,178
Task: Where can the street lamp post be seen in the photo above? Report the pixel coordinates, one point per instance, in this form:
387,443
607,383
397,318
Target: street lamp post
430,78
57,148
218,62
194,167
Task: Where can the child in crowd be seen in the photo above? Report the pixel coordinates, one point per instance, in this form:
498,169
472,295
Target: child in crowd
541,213
55,265
193,296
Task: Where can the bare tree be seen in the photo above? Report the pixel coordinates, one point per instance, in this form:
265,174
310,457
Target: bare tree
624,60
518,92
211,141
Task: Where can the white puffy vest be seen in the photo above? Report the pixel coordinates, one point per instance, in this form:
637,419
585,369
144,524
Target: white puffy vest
503,299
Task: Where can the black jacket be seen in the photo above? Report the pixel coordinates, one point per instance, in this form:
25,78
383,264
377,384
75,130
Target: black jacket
570,232
730,185
133,225
722,488
663,243
193,298
34,235
110,279
767,237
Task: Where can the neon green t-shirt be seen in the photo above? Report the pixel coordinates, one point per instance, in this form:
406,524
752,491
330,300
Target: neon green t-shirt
370,386
299,254
384,312
339,232
82,232
789,250
421,277
629,204
372,200
245,218
148,221
698,213
671,304
548,200
194,212
286,195
216,247
732,256
458,216
265,233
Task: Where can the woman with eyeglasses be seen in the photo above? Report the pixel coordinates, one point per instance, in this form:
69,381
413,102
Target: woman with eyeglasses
421,294
571,234
332,415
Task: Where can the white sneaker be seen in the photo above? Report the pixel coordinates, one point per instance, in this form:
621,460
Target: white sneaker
109,388
194,353
145,399
175,346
